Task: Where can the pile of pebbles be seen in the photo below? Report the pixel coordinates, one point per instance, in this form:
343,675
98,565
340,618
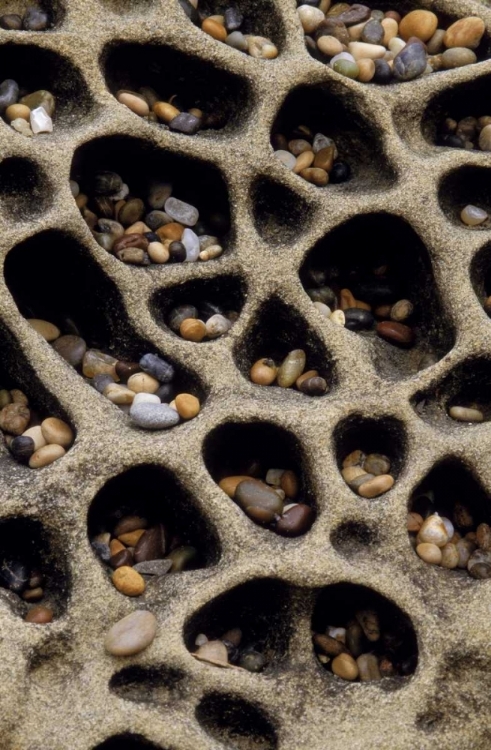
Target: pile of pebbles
229,651
456,543
142,389
367,474
376,306
227,27
173,113
206,321
474,216
139,553
31,440
361,651
34,19
471,133
311,155
470,413
387,47
26,583
272,502
291,372
28,113
159,229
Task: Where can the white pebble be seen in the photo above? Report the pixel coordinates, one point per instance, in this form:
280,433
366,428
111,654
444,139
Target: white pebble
465,414
146,398
286,158
217,325
341,56
190,240
338,317
324,310
396,44
41,122
473,216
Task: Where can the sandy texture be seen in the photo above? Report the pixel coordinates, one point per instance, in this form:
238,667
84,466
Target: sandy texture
55,680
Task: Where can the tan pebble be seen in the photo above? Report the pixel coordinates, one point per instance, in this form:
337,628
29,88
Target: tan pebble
304,161
131,538
435,45
136,103
132,634
47,330
39,615
355,32
310,17
328,644
192,329
352,472
483,536
18,111
118,394
139,227
466,32
414,521
230,484
5,398
465,414
291,368
376,486
457,57
368,668
297,146
116,546
261,47
338,318
430,553
158,253
419,23
324,158
215,29
45,456
329,45
316,176
141,382
355,458
57,431
214,251
33,595
263,372
345,666
485,138
450,556
364,51
187,405
434,531
128,581
396,45
306,376
165,111
391,29
366,69
36,434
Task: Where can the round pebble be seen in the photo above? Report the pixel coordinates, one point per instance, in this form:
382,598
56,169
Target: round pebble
46,456
128,581
473,216
132,634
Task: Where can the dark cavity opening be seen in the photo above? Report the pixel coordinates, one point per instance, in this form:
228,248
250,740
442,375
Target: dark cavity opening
26,190
127,741
462,187
385,435
279,213
480,273
361,256
354,538
138,684
236,723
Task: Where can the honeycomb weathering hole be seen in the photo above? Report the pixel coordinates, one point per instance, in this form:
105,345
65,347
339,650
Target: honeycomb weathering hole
381,441
351,622
149,177
199,299
128,741
157,684
277,330
236,723
234,452
254,621
279,214
149,503
330,112
462,398
480,273
31,575
35,68
452,491
465,186
223,97
51,276
358,263
25,189
354,539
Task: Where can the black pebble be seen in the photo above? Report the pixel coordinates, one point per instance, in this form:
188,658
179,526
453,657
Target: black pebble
157,367
166,393
375,291
152,237
383,73
451,140
340,172
22,448
358,320
177,252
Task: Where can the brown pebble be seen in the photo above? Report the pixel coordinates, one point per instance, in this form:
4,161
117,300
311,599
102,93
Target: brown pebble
192,329
39,615
131,538
316,176
14,418
355,458
345,666
414,522
263,372
116,546
165,111
230,484
57,431
397,333
328,645
187,405
289,484
122,558
33,595
483,536
376,486
214,29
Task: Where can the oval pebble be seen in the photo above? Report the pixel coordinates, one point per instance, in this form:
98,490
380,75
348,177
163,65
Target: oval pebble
465,414
57,431
153,416
286,158
181,212
47,330
376,486
132,634
45,456
473,216
291,368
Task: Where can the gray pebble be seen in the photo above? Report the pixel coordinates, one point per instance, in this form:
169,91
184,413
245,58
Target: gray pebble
101,381
186,123
182,212
157,219
153,416
9,94
410,63
238,41
157,367
153,567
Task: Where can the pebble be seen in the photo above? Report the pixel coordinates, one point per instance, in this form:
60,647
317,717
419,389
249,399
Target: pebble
157,367
151,416
134,102
345,666
465,414
260,502
128,581
187,405
56,431
40,121
46,456
39,615
35,19
47,330
181,212
291,368
132,634
153,567
395,333
473,216
71,348
311,157
382,36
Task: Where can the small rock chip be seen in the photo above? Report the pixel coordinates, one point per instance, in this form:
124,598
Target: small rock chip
153,567
132,634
